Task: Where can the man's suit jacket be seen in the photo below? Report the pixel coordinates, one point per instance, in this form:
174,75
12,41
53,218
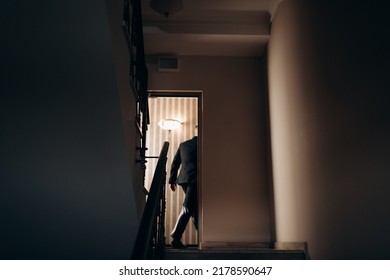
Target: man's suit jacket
186,157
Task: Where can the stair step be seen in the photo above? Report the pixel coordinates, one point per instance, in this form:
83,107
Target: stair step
193,253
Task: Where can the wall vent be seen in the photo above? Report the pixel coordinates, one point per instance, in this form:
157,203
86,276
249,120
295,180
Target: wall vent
168,64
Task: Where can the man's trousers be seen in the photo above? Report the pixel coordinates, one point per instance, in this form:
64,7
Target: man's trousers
189,209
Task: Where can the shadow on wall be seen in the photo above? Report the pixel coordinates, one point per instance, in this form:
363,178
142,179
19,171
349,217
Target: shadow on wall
66,188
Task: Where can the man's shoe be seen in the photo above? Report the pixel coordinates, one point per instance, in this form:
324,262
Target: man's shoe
177,244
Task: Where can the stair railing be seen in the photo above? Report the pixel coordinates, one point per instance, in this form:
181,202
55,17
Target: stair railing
138,73
150,241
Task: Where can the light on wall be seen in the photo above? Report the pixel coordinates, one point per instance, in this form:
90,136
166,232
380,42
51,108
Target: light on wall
166,7
169,124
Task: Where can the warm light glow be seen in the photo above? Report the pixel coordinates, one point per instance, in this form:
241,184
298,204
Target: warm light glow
169,124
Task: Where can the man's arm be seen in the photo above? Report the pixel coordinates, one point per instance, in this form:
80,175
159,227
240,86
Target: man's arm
174,169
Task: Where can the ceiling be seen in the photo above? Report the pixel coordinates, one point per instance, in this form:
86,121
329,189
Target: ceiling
209,28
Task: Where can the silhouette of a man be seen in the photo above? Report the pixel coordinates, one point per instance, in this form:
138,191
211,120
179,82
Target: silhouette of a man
186,158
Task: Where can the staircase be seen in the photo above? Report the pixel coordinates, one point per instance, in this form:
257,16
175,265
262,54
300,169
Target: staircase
267,251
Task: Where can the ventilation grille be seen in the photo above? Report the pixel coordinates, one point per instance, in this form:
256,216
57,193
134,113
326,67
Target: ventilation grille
168,64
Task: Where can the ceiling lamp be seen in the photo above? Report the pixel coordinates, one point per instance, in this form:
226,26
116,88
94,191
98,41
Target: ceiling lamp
169,124
166,7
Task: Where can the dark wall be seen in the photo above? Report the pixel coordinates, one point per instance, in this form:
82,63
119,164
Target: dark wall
329,85
65,183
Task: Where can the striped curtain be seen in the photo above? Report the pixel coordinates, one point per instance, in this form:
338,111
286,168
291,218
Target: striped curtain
185,110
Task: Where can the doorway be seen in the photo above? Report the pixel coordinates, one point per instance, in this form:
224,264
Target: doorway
185,107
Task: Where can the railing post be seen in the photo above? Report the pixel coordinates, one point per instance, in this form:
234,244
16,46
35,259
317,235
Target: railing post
138,74
150,241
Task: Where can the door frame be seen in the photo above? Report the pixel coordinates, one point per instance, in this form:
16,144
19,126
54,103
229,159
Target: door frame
199,95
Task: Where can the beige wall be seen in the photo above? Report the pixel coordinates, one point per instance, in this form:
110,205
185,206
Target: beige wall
329,100
234,187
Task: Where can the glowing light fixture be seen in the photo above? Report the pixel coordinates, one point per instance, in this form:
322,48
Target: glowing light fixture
169,124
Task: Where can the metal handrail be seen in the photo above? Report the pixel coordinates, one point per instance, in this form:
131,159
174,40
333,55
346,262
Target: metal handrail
138,73
150,241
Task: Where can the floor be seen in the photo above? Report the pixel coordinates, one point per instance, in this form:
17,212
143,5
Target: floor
237,253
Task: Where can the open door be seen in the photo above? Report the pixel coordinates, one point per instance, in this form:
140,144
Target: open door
184,107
